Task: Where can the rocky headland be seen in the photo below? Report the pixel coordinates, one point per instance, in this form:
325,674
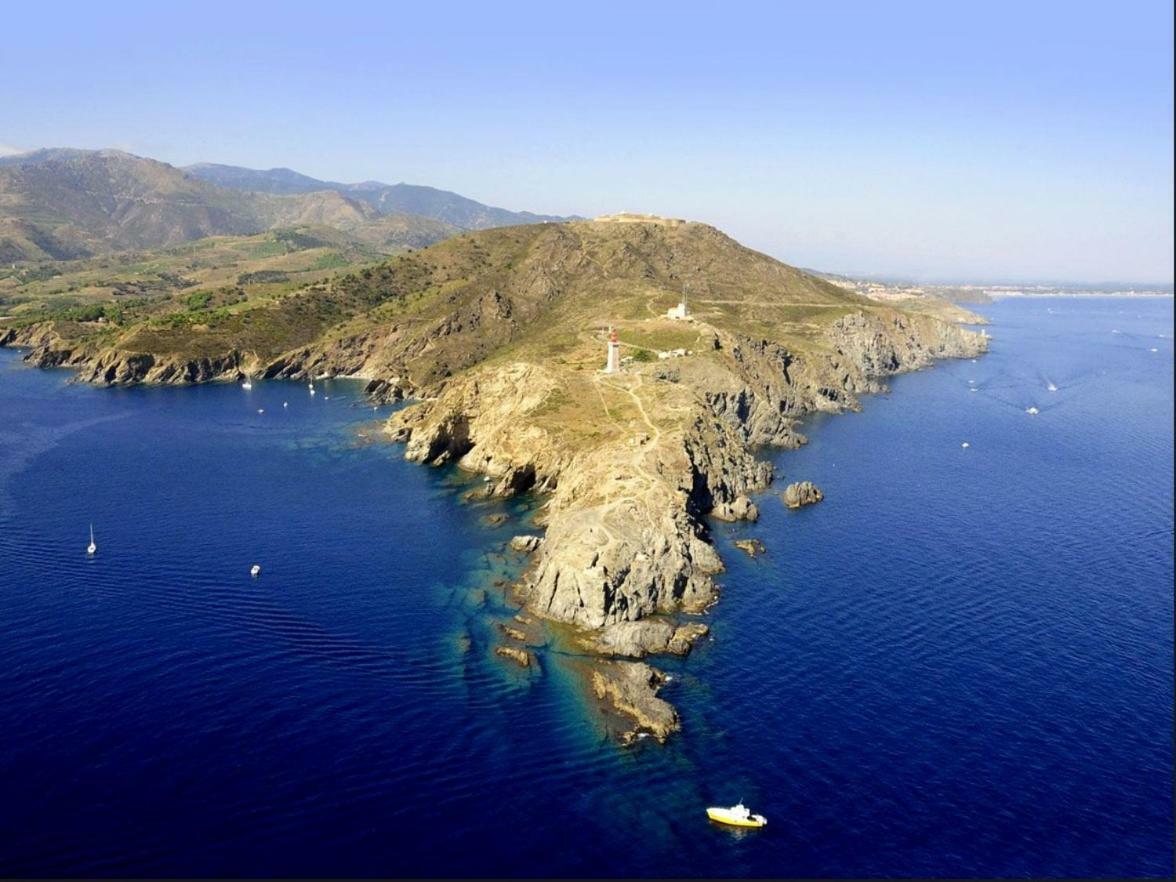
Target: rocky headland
500,337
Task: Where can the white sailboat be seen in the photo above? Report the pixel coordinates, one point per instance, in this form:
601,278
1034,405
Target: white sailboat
92,548
255,570
246,384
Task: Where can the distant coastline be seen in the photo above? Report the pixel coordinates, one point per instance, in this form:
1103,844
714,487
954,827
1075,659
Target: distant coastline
1005,295
898,290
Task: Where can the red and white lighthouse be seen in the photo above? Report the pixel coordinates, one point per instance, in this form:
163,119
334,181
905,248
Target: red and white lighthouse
613,365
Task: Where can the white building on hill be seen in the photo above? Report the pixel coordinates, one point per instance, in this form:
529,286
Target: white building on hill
680,311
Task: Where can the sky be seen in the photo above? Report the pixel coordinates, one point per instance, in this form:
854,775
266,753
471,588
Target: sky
985,141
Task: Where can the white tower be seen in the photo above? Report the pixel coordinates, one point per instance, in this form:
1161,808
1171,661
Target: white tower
680,311
613,365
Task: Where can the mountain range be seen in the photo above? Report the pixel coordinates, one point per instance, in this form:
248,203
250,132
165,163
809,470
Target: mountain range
442,205
61,204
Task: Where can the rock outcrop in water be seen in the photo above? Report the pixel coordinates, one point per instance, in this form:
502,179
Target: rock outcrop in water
751,547
802,493
630,690
500,337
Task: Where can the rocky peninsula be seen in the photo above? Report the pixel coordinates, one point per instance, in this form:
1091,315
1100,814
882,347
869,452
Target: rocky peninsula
500,338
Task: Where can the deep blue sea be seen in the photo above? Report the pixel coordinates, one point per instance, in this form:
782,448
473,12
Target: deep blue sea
959,664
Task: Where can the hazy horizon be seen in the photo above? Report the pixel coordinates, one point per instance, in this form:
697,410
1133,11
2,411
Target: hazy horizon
918,141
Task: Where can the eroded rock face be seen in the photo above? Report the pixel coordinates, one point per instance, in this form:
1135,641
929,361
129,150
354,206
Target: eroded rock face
646,637
742,509
802,493
111,366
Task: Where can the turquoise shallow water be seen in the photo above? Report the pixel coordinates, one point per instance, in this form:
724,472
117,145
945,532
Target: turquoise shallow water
959,664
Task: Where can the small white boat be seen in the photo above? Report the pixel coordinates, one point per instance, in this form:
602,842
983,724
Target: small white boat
255,570
246,384
1032,411
92,548
261,410
736,816
1052,388
965,445
285,404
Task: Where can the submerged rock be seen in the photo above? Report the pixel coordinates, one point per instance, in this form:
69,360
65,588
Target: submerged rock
513,633
520,656
802,493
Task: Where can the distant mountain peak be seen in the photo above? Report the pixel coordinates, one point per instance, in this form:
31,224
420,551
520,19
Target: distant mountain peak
442,205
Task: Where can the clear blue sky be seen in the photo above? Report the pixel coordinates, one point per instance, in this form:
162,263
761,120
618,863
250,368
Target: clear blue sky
958,140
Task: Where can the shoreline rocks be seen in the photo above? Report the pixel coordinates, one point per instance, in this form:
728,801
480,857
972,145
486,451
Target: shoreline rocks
525,544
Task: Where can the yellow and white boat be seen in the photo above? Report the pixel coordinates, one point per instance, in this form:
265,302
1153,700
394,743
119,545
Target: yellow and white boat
736,816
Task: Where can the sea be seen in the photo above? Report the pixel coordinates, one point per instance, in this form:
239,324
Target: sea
960,663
